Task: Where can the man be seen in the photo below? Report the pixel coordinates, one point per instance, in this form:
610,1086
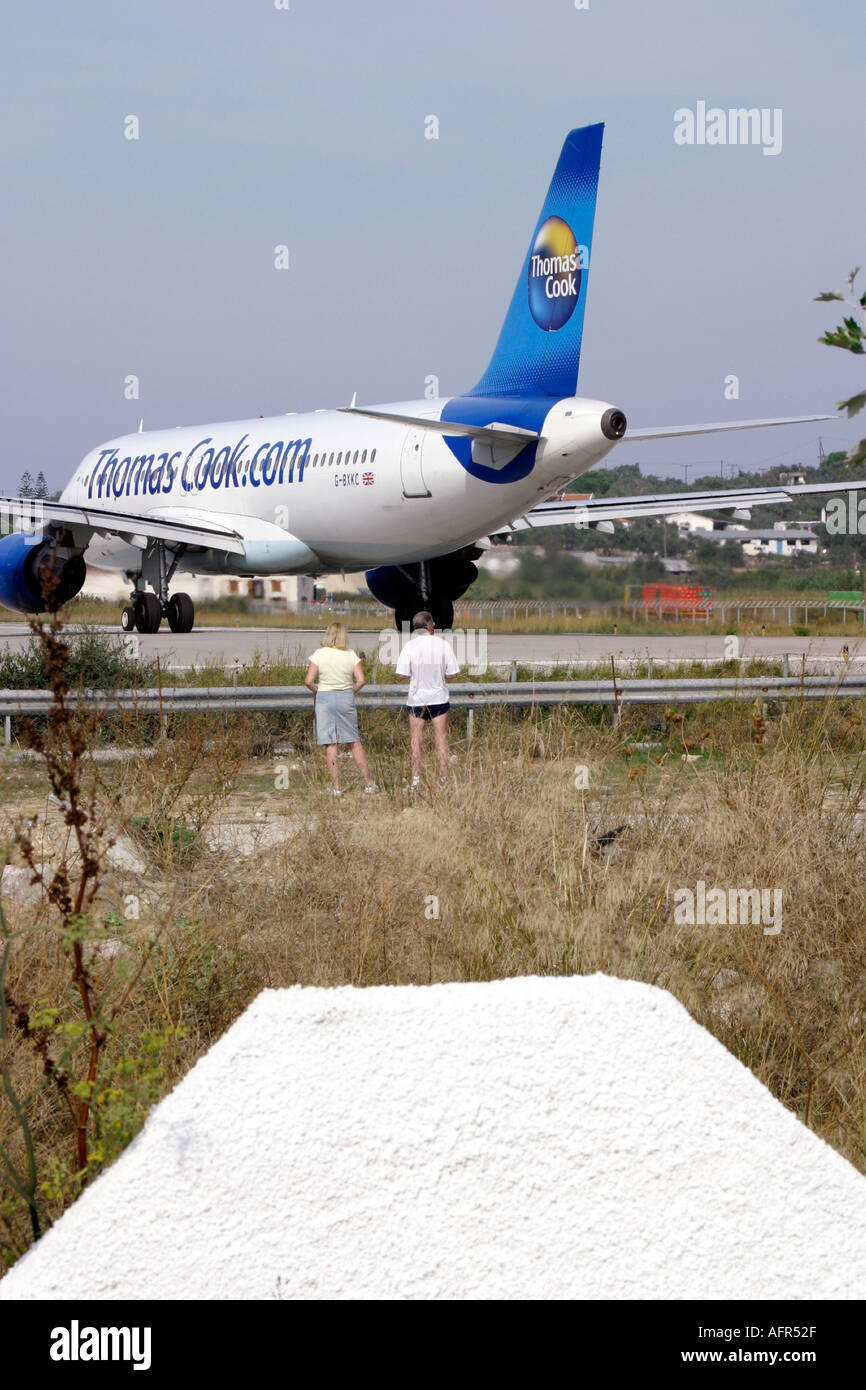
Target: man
427,662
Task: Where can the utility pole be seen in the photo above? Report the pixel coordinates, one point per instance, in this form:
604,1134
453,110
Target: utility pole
821,454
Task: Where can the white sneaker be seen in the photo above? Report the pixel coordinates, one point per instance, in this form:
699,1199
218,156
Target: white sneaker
335,791
371,787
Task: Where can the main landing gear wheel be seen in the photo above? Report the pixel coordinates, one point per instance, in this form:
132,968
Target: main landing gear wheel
443,614
180,612
127,618
148,612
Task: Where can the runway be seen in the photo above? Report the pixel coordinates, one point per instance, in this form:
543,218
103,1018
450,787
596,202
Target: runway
227,645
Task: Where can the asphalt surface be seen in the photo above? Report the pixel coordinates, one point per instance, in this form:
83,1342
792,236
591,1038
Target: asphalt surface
227,645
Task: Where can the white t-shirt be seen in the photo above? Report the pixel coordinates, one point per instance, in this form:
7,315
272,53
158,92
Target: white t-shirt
427,660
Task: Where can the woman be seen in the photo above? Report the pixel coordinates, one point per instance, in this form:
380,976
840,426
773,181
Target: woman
335,676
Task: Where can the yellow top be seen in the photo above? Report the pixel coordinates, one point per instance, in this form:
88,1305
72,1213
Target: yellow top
335,667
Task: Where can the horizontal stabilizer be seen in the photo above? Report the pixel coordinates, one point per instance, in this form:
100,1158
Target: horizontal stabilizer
490,434
674,431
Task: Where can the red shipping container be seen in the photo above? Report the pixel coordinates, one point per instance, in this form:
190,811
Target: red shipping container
685,598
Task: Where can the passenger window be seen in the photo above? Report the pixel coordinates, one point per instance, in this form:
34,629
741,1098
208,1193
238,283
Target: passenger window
372,455
364,456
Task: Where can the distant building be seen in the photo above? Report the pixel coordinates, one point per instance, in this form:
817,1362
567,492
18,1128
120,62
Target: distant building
690,522
796,478
294,589
775,542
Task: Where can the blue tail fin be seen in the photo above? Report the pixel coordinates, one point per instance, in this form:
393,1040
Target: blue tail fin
538,352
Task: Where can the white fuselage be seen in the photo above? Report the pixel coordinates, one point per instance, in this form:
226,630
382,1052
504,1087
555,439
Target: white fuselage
326,490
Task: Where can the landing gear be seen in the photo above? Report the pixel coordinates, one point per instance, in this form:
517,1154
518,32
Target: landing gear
146,610
180,612
146,613
430,585
441,610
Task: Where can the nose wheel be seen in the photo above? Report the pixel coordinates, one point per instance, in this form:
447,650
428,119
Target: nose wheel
180,612
146,613
146,610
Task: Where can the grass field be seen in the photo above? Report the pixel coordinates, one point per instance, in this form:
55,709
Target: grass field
249,875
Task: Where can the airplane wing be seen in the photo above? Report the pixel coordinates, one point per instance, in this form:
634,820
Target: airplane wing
674,431
610,509
133,527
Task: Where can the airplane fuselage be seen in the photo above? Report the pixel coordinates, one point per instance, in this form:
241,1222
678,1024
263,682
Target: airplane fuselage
327,490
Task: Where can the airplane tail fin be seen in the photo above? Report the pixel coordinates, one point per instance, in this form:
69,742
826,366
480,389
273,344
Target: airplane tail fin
538,351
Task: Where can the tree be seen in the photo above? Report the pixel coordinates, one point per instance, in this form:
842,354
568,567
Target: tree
850,336
41,488
25,487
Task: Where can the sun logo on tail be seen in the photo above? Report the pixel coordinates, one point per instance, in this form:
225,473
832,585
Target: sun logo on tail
555,272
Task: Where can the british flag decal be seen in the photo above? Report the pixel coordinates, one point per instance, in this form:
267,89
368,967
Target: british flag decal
367,479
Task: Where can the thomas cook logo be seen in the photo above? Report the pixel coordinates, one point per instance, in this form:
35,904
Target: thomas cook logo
555,271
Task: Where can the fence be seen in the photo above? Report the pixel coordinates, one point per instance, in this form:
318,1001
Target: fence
725,610
521,694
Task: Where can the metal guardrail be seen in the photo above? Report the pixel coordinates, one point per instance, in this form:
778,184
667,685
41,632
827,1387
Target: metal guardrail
467,695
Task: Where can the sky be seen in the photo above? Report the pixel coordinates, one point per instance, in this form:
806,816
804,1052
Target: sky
305,127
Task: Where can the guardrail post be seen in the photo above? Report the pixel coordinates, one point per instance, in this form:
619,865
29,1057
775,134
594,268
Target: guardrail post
7,730
786,665
512,675
470,724
617,711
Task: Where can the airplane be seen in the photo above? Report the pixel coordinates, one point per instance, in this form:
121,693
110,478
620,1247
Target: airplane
411,491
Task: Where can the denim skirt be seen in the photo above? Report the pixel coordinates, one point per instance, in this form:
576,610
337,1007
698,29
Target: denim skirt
336,717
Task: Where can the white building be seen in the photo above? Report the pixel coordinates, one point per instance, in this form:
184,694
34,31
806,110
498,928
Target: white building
690,522
203,588
778,542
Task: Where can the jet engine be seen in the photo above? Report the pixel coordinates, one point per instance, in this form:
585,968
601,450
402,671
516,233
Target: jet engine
37,574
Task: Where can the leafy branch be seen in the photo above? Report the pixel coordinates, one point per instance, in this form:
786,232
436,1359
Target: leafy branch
850,335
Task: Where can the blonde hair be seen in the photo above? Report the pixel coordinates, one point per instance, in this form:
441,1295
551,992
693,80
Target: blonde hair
336,636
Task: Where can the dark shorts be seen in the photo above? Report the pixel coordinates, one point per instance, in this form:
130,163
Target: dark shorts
428,711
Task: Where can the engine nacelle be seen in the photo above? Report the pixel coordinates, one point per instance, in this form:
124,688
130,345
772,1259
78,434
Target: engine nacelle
36,576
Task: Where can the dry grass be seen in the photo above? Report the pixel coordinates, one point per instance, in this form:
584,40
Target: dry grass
498,873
